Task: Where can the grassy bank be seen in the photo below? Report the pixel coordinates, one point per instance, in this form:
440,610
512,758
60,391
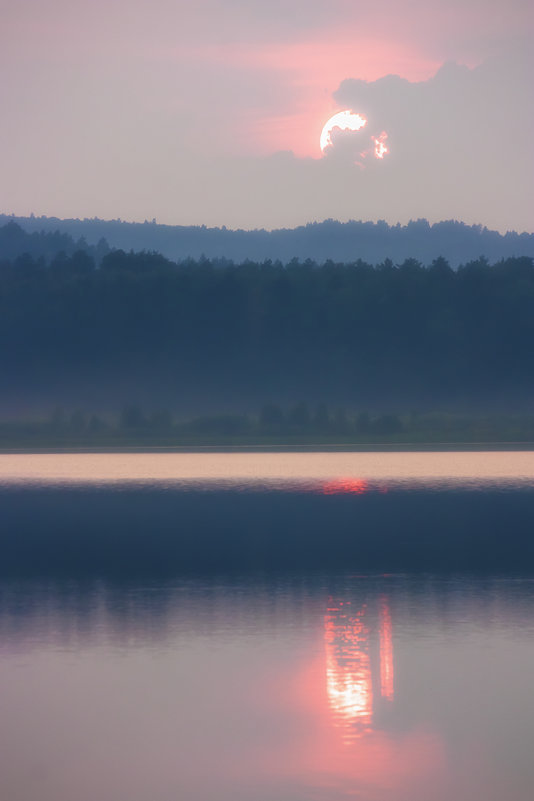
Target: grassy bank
349,432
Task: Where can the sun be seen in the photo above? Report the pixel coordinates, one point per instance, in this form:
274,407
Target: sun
371,146
344,120
381,149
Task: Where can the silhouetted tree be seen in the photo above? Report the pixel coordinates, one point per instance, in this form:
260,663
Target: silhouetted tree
321,418
363,423
132,417
96,425
386,424
340,423
299,416
77,421
271,416
161,421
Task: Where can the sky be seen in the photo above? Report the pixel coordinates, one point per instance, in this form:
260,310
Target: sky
211,112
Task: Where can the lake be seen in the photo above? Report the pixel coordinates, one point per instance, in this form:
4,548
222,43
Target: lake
255,627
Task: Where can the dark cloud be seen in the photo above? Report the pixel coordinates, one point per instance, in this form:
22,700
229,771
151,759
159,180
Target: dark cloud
461,140
462,119
459,148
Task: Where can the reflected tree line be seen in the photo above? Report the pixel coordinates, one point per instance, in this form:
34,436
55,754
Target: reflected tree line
148,334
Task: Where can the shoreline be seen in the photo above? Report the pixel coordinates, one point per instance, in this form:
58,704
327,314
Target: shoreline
367,447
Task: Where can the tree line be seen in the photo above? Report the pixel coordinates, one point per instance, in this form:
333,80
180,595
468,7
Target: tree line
341,241
272,424
213,335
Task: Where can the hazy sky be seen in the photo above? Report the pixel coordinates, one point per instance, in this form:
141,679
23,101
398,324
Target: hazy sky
211,111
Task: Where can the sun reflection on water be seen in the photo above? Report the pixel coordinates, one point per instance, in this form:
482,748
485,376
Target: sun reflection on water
386,651
359,669
354,486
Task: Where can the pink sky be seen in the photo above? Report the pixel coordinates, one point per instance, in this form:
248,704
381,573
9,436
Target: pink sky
142,98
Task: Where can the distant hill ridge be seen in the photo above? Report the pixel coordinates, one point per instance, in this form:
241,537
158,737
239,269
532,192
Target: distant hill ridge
320,241
42,244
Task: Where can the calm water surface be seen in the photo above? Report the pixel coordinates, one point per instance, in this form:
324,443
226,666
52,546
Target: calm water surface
268,469
226,627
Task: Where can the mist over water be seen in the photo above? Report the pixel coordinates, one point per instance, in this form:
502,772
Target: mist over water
243,627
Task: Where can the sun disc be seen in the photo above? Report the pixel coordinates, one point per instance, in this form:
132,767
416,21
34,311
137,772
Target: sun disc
344,120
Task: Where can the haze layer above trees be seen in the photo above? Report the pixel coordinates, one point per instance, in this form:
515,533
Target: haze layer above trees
140,329
344,242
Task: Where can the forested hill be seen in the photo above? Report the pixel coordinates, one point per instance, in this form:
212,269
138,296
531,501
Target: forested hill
191,336
342,242
45,245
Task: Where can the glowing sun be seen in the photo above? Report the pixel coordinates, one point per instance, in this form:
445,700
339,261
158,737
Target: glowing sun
351,121
345,121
